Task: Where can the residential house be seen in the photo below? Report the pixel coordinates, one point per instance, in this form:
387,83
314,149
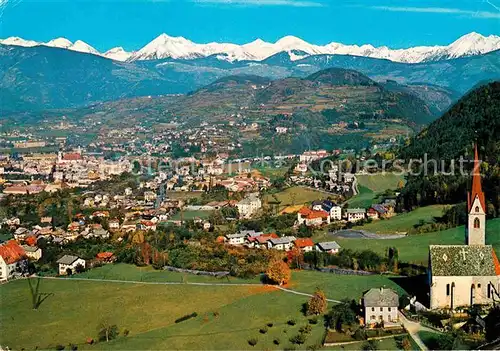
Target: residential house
33,252
330,247
260,241
372,213
284,243
334,210
13,259
312,217
304,244
236,239
68,264
355,214
249,205
380,305
114,224
106,257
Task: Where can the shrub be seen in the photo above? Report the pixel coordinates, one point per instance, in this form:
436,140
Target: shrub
313,320
186,317
73,347
305,329
252,342
263,330
270,325
291,322
126,332
298,339
276,341
59,347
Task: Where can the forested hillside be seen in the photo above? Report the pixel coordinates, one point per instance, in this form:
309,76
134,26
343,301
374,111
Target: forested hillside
474,118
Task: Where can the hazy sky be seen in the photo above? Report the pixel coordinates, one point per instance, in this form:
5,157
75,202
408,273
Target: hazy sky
132,23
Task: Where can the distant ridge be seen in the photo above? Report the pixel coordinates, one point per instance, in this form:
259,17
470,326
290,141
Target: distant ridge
165,46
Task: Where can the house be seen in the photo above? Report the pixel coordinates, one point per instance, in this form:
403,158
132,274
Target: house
68,264
249,205
106,257
304,244
33,252
99,233
334,210
284,243
465,275
380,305
330,247
372,213
150,196
312,217
114,224
236,239
12,260
381,211
260,241
355,214
301,167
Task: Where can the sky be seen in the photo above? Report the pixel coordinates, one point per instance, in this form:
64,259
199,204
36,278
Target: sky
133,23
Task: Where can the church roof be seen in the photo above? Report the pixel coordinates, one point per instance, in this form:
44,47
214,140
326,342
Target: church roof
476,190
463,260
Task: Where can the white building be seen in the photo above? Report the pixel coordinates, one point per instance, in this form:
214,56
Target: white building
330,246
68,263
33,252
249,205
284,244
380,305
12,260
355,214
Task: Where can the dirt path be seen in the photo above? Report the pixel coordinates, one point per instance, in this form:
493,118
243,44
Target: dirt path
413,329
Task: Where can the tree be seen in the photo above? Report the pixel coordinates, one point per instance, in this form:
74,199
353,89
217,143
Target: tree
317,304
107,331
341,314
493,324
295,258
278,272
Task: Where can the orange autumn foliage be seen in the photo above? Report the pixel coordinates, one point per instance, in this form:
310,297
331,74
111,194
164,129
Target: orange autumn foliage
278,272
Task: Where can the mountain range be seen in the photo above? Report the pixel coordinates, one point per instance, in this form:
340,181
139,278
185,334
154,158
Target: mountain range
43,77
165,46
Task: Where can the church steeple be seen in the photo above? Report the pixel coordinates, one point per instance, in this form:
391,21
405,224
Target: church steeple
476,207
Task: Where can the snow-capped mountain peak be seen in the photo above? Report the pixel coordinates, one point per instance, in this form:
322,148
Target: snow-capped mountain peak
62,43
165,46
117,54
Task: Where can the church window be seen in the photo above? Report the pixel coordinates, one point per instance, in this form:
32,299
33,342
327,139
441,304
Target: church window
381,309
476,222
477,208
479,286
447,289
489,291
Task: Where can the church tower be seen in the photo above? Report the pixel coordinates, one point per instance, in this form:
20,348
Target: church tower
476,207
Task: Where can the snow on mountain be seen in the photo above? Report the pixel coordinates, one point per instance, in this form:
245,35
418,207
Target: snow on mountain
165,46
117,54
19,42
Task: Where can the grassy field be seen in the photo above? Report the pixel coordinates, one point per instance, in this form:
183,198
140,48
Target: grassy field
404,222
188,215
74,309
369,186
302,196
363,199
415,248
183,195
380,182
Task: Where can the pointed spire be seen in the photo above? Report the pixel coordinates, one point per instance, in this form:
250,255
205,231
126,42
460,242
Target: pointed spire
476,190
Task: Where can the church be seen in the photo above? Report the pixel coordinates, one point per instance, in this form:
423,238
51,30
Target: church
464,275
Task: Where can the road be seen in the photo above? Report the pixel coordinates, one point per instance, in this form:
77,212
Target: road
413,329
186,283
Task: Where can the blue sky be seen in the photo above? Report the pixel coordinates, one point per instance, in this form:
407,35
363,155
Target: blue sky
133,23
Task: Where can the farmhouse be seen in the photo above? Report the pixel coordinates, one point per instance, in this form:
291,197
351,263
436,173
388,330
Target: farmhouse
355,214
304,244
312,217
380,305
284,244
12,259
330,247
249,205
68,263
33,252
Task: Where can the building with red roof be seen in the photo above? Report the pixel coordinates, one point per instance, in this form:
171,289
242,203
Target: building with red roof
304,244
312,217
12,259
